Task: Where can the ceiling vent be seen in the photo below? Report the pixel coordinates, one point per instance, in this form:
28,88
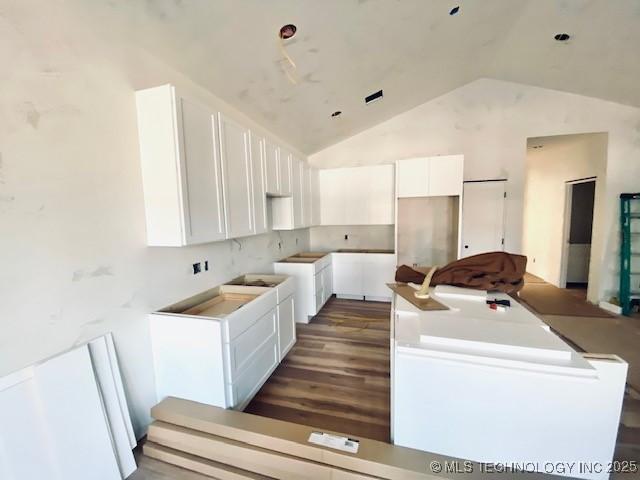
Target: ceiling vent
373,97
562,37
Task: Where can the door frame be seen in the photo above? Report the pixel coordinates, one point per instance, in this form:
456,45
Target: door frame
566,226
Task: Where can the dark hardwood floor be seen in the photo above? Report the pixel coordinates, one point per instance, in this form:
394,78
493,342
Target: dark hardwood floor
336,377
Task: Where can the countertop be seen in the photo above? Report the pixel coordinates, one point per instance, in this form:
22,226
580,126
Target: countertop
471,330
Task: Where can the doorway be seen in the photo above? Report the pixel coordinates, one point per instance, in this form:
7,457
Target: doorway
578,227
483,217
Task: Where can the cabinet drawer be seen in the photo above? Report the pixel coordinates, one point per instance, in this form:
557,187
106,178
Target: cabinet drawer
242,349
242,319
254,375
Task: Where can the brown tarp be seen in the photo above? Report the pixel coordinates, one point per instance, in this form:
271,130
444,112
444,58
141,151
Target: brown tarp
499,271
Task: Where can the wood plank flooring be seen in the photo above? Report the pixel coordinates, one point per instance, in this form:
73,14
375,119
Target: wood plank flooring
336,377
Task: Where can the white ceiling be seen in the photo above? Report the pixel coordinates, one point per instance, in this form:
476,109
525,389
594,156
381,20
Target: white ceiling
413,49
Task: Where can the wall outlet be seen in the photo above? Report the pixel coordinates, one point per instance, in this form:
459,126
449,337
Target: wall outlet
206,265
279,245
346,236
197,268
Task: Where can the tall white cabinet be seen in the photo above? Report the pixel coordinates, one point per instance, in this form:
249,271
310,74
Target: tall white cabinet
430,176
181,169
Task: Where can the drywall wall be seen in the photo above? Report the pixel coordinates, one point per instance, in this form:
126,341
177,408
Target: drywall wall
74,262
557,160
329,238
489,122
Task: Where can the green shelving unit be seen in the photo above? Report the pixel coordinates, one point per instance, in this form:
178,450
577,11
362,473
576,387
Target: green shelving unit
629,215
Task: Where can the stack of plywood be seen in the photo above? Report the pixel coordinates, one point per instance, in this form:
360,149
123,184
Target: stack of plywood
227,444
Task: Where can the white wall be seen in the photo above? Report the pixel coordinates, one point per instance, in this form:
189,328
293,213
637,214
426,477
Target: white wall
489,122
74,263
561,159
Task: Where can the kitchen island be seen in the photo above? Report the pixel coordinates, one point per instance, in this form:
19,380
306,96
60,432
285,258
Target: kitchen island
499,386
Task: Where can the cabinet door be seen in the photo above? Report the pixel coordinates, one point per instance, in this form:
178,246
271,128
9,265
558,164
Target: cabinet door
296,190
412,177
204,211
257,175
236,174
286,326
307,204
332,205
271,168
327,282
446,175
377,271
315,197
378,195
347,274
284,169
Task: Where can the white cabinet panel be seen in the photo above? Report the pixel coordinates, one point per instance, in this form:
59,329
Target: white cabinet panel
272,170
446,175
412,176
284,169
327,283
286,326
180,169
203,184
347,274
377,271
315,197
260,219
429,176
307,201
236,174
357,195
296,190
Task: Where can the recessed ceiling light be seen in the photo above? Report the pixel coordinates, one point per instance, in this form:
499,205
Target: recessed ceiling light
373,97
337,113
562,37
454,10
288,31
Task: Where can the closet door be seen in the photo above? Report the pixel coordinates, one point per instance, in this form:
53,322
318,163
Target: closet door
236,175
258,184
204,209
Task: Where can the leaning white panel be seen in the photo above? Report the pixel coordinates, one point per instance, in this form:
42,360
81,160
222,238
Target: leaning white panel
66,417
105,366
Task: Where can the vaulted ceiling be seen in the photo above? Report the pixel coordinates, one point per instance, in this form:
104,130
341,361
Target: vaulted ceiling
413,49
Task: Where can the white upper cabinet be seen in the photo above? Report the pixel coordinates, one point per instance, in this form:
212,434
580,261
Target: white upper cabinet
430,176
284,169
271,168
315,197
357,195
288,212
307,201
297,181
446,175
256,151
180,169
412,177
237,181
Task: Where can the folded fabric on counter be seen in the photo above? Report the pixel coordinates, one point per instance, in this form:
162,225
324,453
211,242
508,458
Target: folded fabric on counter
497,271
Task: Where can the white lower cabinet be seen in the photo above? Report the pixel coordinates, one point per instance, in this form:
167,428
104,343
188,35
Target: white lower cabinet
313,288
286,326
363,275
220,346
